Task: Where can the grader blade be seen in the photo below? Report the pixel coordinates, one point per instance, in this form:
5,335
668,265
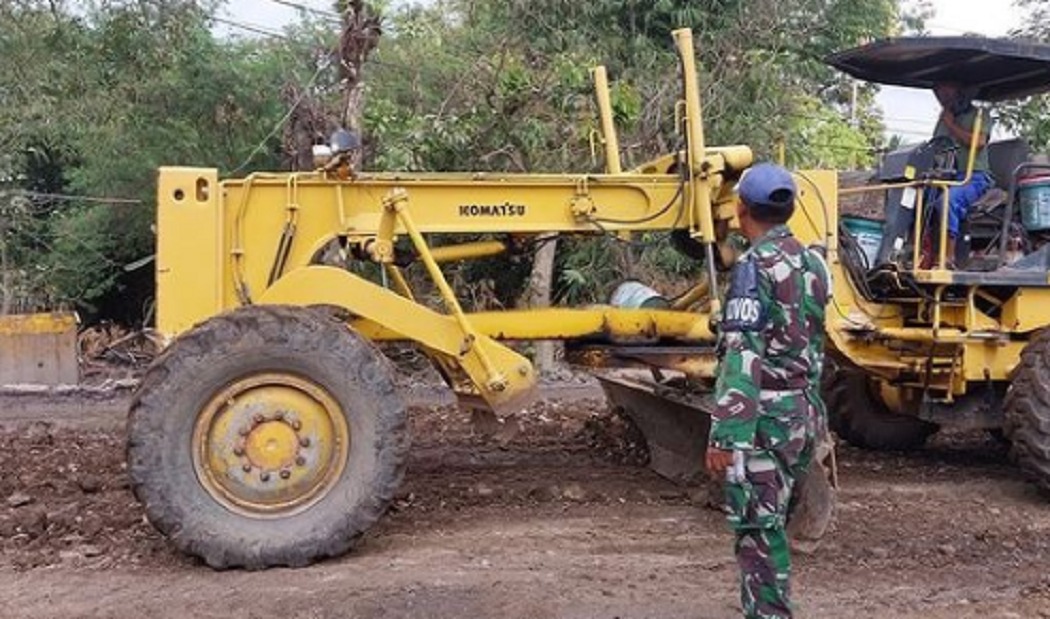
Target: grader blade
813,510
813,507
673,422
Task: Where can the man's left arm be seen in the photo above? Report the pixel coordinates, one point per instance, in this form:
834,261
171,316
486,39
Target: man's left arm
739,385
963,131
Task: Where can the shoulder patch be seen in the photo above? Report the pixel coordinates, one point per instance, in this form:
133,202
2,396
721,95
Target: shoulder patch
743,310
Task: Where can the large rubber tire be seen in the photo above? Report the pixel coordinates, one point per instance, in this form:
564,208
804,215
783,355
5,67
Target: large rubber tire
310,344
1027,410
857,414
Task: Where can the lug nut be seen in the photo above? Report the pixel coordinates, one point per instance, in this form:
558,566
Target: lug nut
245,431
285,474
238,451
264,476
305,441
279,416
247,468
257,418
296,425
300,461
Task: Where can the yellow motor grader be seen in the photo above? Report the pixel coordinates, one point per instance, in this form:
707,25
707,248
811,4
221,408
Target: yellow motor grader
270,430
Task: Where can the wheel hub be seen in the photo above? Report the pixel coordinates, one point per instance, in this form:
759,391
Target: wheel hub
270,445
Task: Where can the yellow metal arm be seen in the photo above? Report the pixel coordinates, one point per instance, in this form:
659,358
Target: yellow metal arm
440,334
702,213
397,202
609,137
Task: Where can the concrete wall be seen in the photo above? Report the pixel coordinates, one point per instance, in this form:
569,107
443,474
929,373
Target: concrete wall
39,349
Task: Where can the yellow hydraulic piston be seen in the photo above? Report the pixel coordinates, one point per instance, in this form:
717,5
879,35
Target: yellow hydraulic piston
701,213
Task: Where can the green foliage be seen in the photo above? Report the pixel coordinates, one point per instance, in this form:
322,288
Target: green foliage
1031,117
99,99
510,78
504,85
822,138
95,97
587,270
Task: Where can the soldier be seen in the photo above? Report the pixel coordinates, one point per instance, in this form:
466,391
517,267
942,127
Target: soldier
768,412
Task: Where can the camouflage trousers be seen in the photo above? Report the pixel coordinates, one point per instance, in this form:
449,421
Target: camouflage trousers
759,502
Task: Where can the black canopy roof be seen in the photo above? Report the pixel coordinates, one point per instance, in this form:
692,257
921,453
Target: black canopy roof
999,69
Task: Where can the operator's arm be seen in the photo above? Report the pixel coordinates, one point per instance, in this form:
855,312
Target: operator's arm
739,383
962,133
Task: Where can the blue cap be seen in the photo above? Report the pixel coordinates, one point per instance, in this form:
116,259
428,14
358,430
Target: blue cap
767,185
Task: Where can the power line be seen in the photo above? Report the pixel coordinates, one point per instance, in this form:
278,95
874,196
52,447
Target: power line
248,27
309,9
50,247
908,132
62,197
280,124
914,122
904,119
949,29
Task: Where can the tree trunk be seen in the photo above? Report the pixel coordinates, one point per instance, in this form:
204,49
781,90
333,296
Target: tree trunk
362,28
538,294
5,271
308,124
311,121
5,282
353,119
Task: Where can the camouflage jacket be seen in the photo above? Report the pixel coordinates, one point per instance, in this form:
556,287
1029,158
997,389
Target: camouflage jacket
773,335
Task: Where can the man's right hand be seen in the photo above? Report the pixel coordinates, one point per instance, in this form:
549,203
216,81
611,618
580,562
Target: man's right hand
717,461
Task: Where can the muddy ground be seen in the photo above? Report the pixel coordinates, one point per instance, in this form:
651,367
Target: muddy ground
559,520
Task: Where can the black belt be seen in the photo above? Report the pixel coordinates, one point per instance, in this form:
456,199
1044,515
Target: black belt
781,384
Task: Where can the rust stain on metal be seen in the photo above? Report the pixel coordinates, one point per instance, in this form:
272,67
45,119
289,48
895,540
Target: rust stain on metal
696,362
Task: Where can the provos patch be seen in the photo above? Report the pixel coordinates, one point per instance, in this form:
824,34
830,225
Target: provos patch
743,310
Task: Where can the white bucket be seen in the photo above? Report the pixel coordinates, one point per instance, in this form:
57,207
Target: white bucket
633,294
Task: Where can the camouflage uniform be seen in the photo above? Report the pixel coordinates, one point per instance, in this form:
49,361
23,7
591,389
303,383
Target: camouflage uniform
768,405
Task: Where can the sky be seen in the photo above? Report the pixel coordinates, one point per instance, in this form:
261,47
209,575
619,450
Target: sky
912,113
908,112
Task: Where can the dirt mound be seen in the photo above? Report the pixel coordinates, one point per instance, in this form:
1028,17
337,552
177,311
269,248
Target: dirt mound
536,519
66,500
109,352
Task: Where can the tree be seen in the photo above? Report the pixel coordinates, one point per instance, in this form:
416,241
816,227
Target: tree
92,102
505,85
1031,117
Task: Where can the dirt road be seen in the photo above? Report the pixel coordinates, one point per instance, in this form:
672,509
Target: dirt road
555,522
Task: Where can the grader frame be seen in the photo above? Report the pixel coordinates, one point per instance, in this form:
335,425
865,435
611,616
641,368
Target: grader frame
264,436
255,241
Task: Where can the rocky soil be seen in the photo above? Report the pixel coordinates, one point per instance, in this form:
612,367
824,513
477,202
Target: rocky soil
552,514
